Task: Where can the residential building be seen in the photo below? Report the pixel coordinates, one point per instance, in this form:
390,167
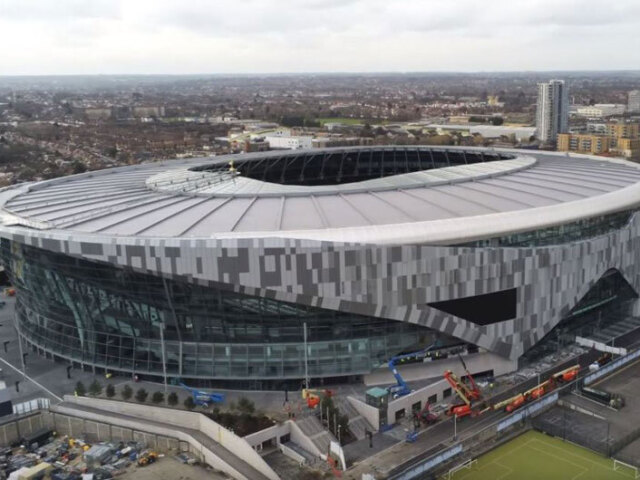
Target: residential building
583,143
327,142
552,115
629,148
633,104
289,143
596,127
616,138
601,110
623,130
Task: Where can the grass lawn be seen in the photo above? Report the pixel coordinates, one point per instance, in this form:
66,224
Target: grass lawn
535,456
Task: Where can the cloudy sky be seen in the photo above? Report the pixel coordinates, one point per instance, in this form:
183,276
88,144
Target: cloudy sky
252,36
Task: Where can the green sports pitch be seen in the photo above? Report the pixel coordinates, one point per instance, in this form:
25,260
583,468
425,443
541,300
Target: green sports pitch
535,456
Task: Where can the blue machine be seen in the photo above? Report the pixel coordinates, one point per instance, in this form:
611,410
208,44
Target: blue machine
401,388
203,398
411,437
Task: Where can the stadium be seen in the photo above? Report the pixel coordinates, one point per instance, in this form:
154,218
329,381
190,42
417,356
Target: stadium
260,270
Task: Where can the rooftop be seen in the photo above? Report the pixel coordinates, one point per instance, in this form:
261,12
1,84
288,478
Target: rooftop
360,194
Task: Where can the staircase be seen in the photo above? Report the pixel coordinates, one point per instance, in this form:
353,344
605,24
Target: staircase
357,423
615,329
313,429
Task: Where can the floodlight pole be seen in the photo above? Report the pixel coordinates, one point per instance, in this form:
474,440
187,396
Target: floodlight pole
306,357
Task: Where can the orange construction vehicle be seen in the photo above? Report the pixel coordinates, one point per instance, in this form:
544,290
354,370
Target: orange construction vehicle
513,403
567,375
312,397
516,403
467,393
147,458
425,415
539,390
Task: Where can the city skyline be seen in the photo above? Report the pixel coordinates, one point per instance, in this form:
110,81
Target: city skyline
112,37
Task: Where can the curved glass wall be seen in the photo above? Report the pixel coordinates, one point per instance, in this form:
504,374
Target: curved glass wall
110,317
566,233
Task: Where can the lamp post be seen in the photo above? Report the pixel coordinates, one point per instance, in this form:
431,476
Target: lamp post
22,355
455,426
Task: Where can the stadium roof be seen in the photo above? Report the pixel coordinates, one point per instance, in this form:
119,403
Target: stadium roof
209,197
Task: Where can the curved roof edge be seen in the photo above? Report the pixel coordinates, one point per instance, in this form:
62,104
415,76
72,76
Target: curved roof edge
467,229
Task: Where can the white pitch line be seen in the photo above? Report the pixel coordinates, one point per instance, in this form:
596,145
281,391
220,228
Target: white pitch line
584,469
32,380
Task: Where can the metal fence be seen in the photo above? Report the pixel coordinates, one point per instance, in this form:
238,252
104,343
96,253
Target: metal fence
629,455
574,426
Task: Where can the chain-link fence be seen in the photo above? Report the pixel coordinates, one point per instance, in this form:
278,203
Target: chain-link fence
627,448
589,431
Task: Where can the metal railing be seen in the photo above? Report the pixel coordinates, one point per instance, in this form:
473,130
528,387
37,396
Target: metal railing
30,406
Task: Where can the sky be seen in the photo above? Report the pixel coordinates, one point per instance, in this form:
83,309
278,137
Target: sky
47,37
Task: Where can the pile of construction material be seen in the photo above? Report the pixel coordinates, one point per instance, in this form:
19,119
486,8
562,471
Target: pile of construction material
68,458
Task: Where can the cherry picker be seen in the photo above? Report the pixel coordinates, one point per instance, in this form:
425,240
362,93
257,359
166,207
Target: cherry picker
400,389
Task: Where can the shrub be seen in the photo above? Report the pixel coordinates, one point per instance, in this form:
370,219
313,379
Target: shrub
81,391
127,392
157,397
110,391
246,406
141,395
173,399
189,404
95,388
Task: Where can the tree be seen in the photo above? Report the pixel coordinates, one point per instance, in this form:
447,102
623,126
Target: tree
157,397
95,388
189,404
126,392
141,395
110,391
79,167
173,399
111,152
81,391
336,421
246,406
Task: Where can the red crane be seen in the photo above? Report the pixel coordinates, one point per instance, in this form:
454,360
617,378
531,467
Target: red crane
468,393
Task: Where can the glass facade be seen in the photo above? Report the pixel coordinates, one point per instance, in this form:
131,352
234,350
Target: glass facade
566,233
112,318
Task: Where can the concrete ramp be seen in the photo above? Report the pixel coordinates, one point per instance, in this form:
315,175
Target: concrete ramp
214,453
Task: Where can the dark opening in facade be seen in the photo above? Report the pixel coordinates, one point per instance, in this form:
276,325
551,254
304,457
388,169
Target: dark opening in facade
482,309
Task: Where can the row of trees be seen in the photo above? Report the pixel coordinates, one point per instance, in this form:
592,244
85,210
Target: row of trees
141,395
